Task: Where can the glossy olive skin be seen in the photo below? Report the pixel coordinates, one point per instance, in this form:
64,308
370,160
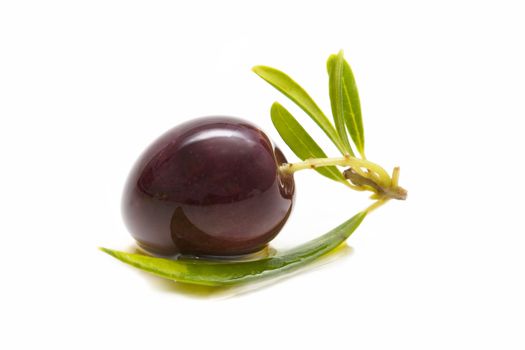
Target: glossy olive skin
210,186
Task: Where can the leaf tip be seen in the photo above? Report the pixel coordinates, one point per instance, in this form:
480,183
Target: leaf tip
258,69
108,251
276,105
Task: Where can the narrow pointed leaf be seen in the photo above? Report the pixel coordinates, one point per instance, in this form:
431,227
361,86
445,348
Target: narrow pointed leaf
299,141
297,94
337,100
215,273
353,117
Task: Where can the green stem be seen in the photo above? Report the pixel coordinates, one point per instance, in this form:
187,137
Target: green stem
376,205
348,161
363,174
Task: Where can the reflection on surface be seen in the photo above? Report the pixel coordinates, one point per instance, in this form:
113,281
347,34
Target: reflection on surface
221,232
207,292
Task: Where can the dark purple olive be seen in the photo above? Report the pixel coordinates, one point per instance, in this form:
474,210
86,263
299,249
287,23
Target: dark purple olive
210,186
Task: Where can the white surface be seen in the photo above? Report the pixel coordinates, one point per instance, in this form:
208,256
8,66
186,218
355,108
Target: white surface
85,86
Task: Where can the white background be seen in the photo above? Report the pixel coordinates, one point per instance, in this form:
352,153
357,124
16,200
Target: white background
85,86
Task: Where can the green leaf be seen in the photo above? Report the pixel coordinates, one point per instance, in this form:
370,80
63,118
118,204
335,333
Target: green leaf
337,100
353,118
297,94
219,273
299,141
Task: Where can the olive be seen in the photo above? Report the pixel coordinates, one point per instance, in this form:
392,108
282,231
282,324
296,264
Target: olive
210,186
